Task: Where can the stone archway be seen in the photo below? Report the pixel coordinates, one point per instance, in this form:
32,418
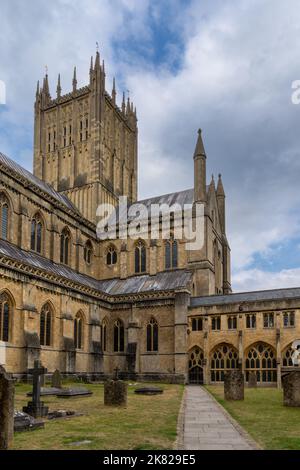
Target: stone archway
196,360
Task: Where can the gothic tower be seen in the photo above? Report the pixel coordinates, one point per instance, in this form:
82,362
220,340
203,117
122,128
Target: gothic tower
84,144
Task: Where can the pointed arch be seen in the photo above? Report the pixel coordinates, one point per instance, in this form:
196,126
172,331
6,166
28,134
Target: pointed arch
140,257
6,310
286,356
5,215
261,359
152,335
79,330
37,232
88,252
196,364
111,255
119,340
223,357
65,245
171,253
46,324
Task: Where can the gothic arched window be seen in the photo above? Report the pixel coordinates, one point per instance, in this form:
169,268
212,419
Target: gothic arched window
261,359
287,356
196,365
140,257
223,358
65,242
119,343
152,335
46,325
4,212
5,314
111,256
78,331
36,233
87,252
171,254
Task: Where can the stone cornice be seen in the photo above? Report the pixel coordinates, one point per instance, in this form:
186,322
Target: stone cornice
63,282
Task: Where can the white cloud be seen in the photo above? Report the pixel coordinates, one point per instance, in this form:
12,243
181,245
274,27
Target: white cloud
256,279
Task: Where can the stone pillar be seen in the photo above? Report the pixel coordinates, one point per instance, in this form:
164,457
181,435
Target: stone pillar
291,387
206,362
7,392
115,393
234,385
180,335
278,350
241,349
123,261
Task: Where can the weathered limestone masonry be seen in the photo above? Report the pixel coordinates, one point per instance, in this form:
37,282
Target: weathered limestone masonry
7,392
253,331
151,307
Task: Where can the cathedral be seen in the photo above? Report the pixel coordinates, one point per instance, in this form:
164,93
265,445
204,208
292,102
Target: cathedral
149,306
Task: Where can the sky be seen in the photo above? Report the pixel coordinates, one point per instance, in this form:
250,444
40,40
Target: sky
225,66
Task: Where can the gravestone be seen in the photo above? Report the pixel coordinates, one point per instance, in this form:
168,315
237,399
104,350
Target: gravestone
74,392
25,422
252,380
115,391
234,385
291,386
56,379
7,392
36,407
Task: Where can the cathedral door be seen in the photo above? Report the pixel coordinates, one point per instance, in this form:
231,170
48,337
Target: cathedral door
196,375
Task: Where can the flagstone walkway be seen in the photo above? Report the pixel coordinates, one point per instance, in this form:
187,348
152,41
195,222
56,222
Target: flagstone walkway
206,425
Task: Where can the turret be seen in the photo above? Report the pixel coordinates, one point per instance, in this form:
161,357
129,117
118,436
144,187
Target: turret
114,93
74,81
221,202
199,171
58,88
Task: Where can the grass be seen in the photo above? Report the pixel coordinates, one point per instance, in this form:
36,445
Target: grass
262,414
148,422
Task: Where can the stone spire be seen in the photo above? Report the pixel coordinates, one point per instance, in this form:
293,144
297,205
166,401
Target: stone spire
221,203
114,93
123,103
220,188
74,81
37,89
199,170
58,88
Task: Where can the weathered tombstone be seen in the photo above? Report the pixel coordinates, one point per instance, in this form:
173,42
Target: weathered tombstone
115,391
7,392
56,379
291,387
234,385
252,380
36,407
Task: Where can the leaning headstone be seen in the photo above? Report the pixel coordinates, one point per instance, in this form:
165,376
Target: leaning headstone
7,392
56,379
234,385
115,391
252,380
36,407
291,387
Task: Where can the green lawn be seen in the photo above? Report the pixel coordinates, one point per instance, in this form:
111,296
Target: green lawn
263,415
148,422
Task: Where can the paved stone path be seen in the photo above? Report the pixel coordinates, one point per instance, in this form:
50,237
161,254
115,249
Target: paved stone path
207,426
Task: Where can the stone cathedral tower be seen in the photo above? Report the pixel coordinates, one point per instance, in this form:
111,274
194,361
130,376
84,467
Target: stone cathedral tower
84,144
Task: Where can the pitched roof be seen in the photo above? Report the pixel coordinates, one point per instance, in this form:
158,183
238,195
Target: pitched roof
170,280
239,297
18,170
